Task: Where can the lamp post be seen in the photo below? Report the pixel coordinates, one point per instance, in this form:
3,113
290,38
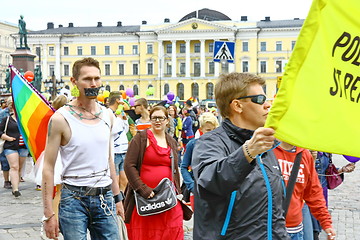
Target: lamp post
52,85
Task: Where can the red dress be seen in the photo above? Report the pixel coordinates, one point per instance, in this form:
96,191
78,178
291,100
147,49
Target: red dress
163,226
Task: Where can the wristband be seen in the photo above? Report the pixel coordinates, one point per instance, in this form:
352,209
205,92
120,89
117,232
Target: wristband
119,197
248,152
45,219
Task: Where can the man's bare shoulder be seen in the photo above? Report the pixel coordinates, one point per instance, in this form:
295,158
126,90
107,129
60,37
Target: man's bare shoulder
58,121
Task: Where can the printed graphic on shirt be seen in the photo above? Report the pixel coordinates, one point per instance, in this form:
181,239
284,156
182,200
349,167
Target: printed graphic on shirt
286,168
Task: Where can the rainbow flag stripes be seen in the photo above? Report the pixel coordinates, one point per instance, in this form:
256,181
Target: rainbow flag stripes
33,113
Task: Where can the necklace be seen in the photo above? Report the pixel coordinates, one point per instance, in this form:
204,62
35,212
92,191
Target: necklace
80,115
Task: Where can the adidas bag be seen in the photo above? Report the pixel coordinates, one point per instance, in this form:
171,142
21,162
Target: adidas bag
163,200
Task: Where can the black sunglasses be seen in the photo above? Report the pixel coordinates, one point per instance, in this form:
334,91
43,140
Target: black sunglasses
258,99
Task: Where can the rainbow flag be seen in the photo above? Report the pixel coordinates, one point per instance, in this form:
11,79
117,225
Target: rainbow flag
32,111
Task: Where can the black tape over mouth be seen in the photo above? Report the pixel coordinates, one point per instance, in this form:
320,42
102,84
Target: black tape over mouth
91,92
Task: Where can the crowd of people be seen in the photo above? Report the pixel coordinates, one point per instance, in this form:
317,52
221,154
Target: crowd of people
229,168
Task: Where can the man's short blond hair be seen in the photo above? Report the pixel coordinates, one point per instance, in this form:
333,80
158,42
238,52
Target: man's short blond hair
231,86
208,117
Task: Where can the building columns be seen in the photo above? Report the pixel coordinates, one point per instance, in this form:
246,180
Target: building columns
173,59
202,58
187,58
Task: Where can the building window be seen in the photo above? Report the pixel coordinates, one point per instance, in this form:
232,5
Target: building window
66,70
66,51
245,46
107,50
197,47
135,50
166,88
93,50
263,46
293,45
180,90
210,91
224,67
51,51
79,51
211,47
169,48
52,70
196,69
121,69
263,66
149,49
121,87
135,69
136,90
108,88
107,69
150,70
278,66
168,69
195,90
182,48
245,66
278,46
211,67
182,68
121,50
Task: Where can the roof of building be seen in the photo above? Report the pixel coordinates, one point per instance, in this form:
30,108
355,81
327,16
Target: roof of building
84,30
71,29
280,23
206,14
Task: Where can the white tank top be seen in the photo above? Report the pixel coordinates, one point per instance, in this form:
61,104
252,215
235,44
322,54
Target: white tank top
85,158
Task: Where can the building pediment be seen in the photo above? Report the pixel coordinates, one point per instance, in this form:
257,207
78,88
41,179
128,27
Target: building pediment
194,25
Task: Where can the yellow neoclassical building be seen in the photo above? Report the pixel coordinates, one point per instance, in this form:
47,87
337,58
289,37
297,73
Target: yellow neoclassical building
7,46
175,57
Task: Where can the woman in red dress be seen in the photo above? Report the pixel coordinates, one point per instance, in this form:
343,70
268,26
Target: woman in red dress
147,162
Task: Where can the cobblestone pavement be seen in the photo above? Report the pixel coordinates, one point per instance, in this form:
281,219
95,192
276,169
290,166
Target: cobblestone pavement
20,218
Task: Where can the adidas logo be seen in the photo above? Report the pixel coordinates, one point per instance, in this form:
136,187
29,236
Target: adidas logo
154,206
168,201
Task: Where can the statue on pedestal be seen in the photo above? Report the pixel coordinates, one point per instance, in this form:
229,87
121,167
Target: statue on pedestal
38,79
7,80
22,32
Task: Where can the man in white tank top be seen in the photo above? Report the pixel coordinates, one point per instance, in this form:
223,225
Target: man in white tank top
90,196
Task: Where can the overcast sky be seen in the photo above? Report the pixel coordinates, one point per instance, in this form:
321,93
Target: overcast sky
37,13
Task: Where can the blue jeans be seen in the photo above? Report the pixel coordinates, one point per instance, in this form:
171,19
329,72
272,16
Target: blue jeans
307,222
23,152
78,212
4,163
297,236
119,162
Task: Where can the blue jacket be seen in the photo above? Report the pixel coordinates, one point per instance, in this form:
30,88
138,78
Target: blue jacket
187,175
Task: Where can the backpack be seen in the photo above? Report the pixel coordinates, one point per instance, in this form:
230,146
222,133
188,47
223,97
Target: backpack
195,121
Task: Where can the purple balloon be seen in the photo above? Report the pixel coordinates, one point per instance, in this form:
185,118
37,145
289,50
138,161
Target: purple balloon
170,96
132,101
129,92
351,159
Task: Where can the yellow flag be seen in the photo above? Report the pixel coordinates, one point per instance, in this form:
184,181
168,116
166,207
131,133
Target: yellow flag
318,103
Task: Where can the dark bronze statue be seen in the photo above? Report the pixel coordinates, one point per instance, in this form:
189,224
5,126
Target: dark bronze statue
22,32
38,78
7,80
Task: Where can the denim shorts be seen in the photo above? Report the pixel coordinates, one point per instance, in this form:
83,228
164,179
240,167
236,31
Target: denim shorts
119,162
23,152
4,162
79,212
297,236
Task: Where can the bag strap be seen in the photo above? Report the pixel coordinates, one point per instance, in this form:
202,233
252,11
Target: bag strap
292,181
172,166
6,125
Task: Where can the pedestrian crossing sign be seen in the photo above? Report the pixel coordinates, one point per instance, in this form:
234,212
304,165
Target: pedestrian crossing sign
224,51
